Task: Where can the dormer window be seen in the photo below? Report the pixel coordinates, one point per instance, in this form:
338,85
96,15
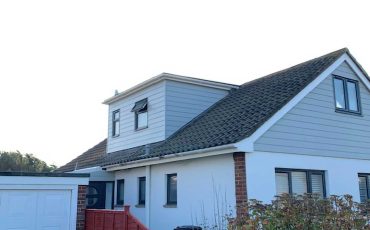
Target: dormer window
115,123
347,96
141,114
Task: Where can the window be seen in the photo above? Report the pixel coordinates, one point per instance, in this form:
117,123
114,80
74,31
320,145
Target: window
141,114
142,181
296,181
363,181
347,96
172,189
120,192
115,123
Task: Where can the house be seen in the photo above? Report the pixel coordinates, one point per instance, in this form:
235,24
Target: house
182,150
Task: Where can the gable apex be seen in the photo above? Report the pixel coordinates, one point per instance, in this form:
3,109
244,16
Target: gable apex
345,57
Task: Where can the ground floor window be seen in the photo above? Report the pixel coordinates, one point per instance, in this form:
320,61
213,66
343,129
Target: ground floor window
142,182
172,189
299,181
364,182
120,192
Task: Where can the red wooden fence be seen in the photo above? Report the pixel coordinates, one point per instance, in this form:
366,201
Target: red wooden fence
97,219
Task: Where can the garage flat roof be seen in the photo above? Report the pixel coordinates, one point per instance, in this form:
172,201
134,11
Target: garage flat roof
44,174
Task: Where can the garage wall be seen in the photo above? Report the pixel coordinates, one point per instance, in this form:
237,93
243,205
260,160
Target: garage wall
37,196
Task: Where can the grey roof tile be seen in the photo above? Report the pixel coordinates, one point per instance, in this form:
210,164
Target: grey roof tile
239,114
90,158
236,116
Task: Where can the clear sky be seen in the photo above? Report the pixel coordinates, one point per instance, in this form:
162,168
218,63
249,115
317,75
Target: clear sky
60,59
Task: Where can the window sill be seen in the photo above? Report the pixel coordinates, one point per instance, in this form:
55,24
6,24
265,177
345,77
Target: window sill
115,136
139,129
140,206
170,206
349,112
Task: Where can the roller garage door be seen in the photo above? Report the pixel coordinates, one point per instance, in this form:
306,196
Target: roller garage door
35,209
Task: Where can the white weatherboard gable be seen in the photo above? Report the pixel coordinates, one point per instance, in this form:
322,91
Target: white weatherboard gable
313,127
247,145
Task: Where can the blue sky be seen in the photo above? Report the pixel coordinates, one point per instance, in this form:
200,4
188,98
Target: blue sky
60,59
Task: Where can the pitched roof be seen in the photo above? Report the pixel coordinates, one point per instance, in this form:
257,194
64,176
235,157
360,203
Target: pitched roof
90,158
238,115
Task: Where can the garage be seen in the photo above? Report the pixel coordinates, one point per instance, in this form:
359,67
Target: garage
33,201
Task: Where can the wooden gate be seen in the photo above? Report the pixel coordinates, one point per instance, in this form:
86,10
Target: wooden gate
97,219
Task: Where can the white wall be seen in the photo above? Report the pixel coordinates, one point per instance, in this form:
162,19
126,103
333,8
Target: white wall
202,184
96,174
340,174
131,191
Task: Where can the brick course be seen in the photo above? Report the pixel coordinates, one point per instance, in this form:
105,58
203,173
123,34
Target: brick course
240,184
81,207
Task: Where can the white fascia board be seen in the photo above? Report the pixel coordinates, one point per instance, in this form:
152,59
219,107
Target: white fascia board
247,145
214,151
35,180
173,77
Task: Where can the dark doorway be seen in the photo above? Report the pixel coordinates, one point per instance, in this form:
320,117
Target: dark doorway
95,197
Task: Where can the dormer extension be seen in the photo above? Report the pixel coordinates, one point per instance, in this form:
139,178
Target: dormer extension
154,109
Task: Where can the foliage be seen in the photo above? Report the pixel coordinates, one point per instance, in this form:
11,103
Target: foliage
17,162
308,212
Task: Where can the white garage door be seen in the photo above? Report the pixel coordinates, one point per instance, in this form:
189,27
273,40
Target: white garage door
35,209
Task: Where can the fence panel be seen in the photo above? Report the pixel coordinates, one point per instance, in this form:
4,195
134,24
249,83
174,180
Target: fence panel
97,219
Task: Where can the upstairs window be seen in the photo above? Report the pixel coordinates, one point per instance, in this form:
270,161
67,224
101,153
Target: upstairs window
363,181
347,96
299,182
141,114
142,182
171,189
115,123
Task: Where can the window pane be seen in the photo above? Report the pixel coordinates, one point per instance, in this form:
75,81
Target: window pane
116,115
352,96
142,190
339,94
172,189
317,184
363,189
299,183
282,183
142,120
120,191
116,128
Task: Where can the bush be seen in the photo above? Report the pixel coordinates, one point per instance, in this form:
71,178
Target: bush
304,212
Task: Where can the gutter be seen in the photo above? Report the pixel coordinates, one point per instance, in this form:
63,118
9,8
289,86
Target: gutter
213,151
172,77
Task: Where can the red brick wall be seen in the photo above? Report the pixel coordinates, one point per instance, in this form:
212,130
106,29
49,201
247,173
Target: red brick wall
240,184
81,207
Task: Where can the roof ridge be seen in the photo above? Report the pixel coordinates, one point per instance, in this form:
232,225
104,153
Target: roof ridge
337,52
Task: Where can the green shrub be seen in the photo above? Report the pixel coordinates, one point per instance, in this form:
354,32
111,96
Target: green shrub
308,212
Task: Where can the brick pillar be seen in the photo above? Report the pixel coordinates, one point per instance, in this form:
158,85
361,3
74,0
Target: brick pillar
81,207
240,184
